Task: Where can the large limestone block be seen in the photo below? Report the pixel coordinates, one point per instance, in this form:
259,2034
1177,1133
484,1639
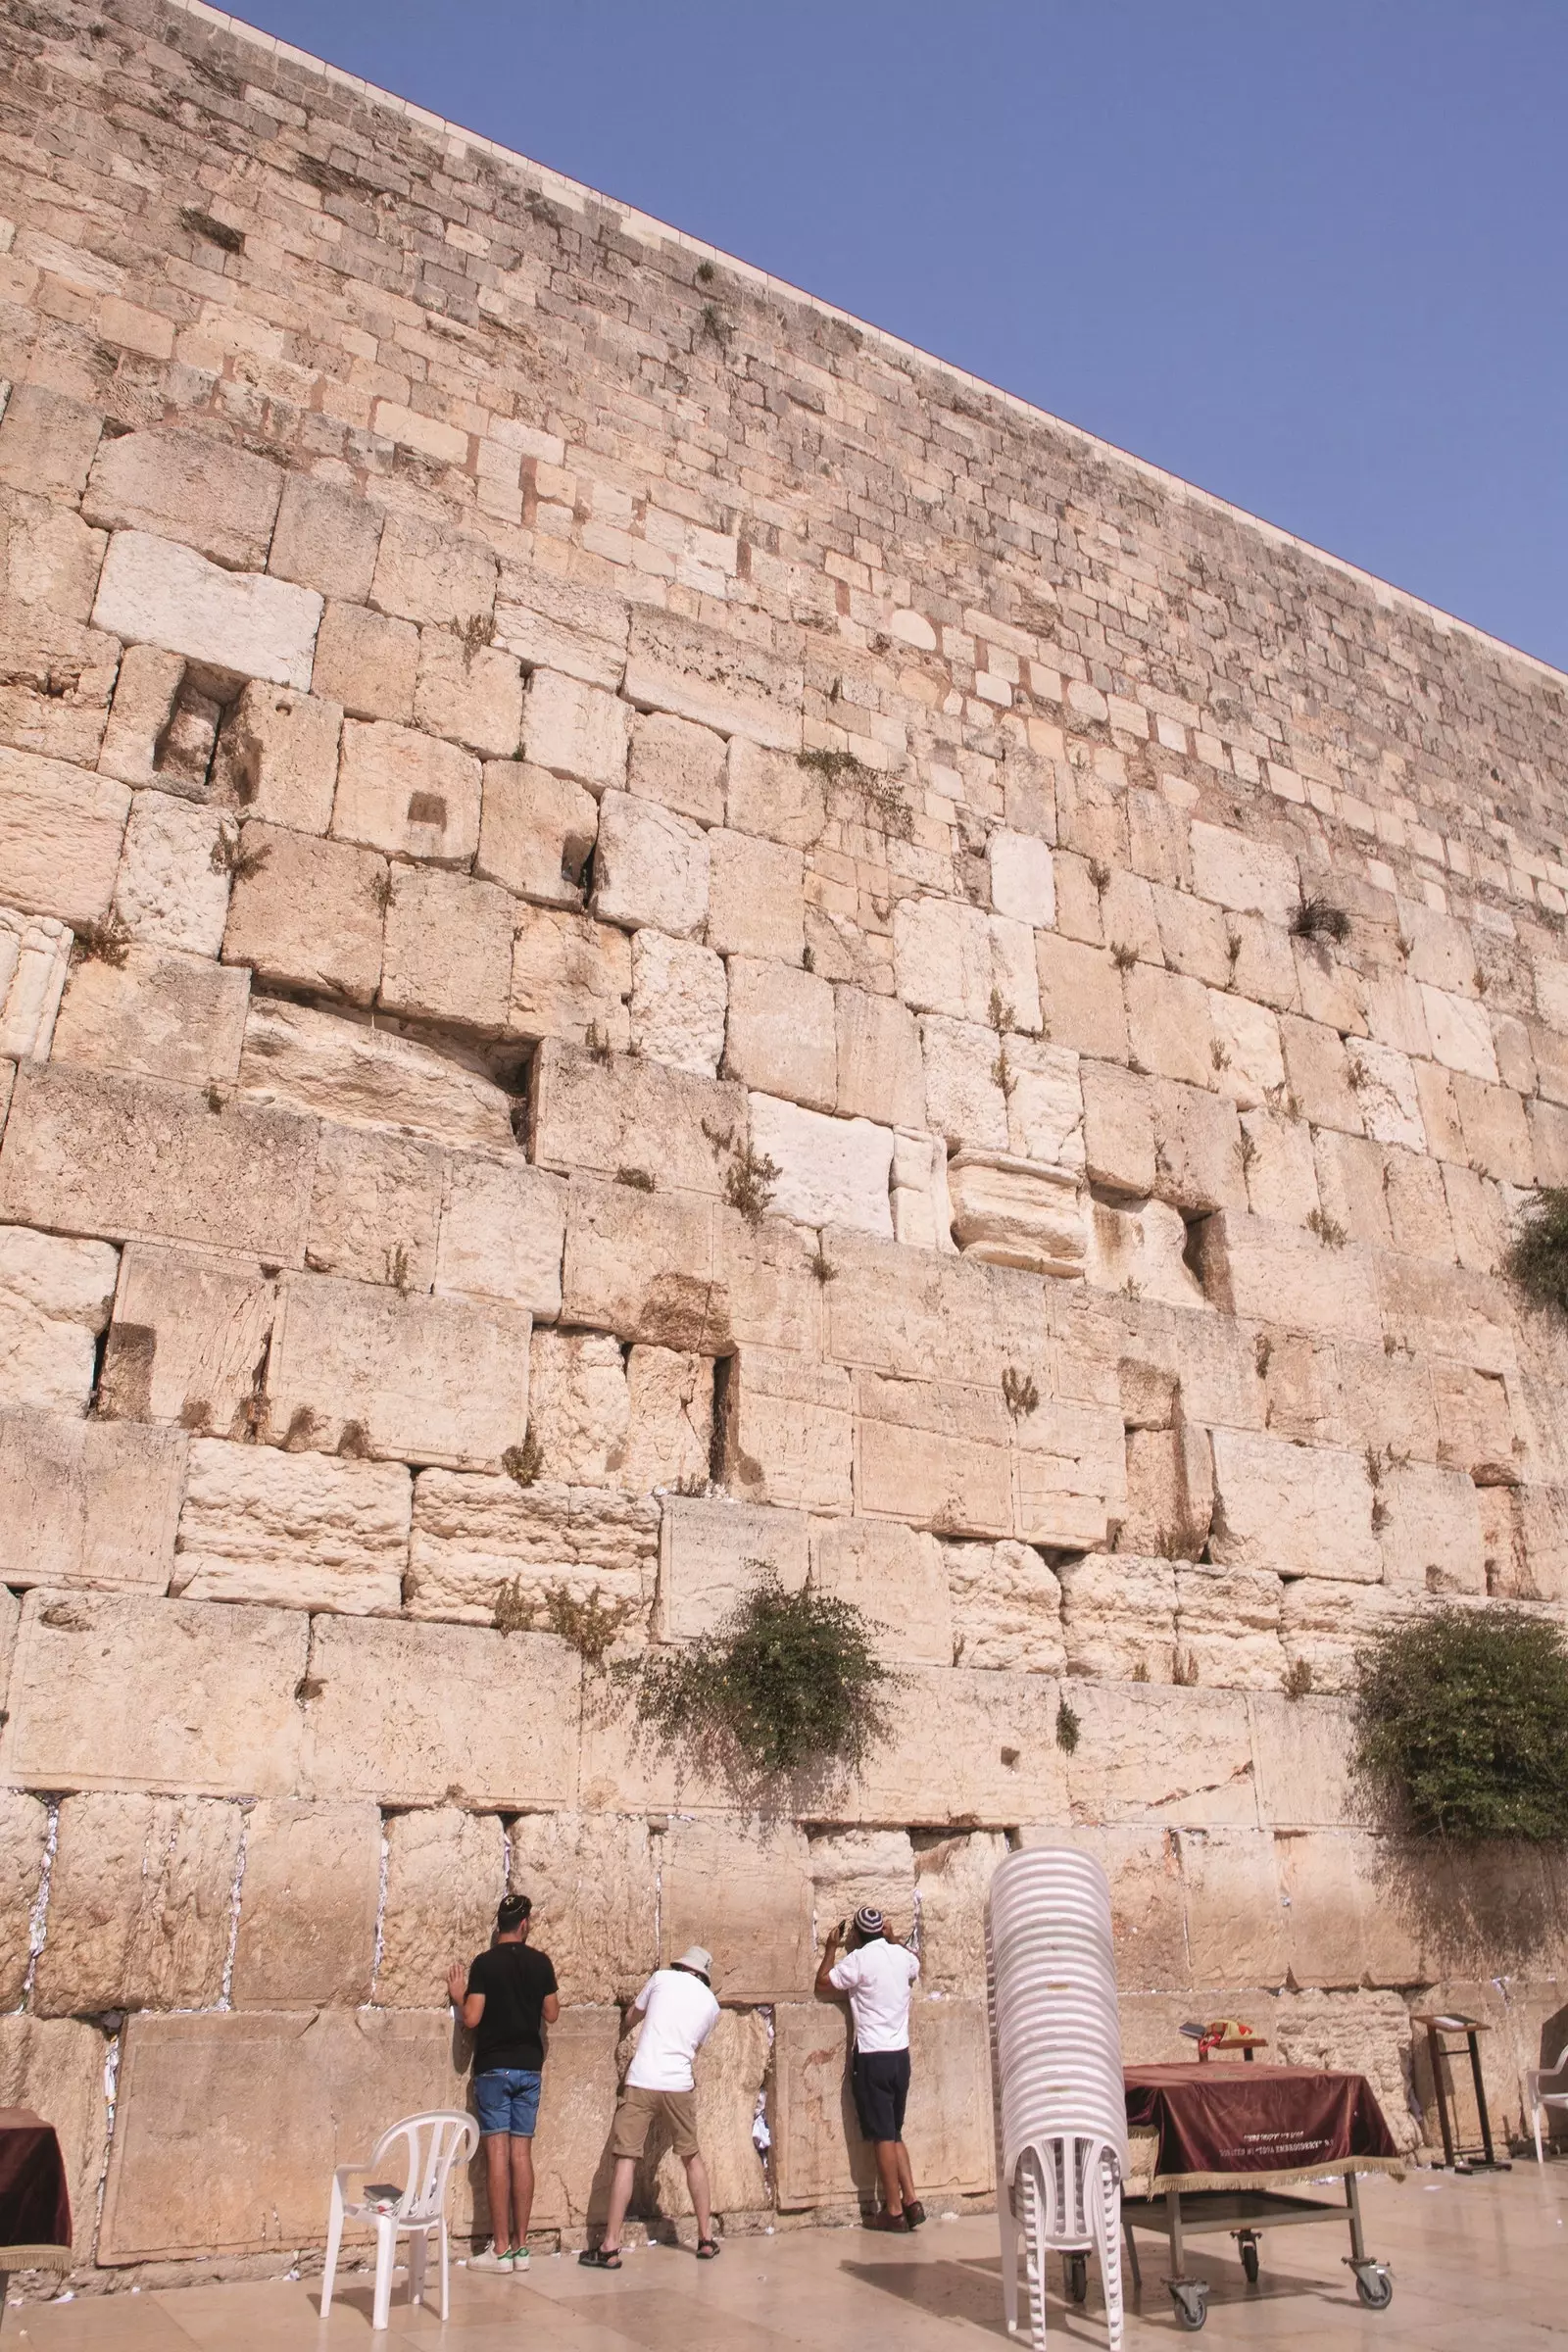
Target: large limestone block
88,1505
536,832
141,732
649,866
172,885
156,1015
215,1711
190,486
446,1871
1460,1033
601,1116
934,1453
951,959
470,694
307,1905
570,978
226,2125
1282,1167
729,2075
1248,875
429,1380
55,681
153,592
1044,1104
34,960
474,1535
591,1879
404,1713
1348,1920
447,955
819,2157
1148,1923
375,1207
325,537
1118,1129
428,573
964,1099
56,2067
24,1838
678,764
830,1171
1324,1622
1390,1107
1198,1150
1319,1070
781,1035
1081,996
1069,1473
679,991
774,795
852,1867
345,1070
712,1553
716,679
578,1413
575,730
570,2153
311,915
1118,1617
187,1342
1246,1037
60,835
502,1234
277,757
47,442
1170,1493
744,1891
953,1876
1431,1533
897,1578
1236,1929
53,559
1153,1754
141,1904
880,1074
965,1750
1439,1311
128,1158
1302,1748
645,1268
555,622
670,1442
1167,1023
299,1529
1299,1510
920,1199
366,663
1022,880
55,1297
1140,1251
407,794
769,1277
1006,1607
787,1431
757,898
1280,1274
1012,1212
1227,1627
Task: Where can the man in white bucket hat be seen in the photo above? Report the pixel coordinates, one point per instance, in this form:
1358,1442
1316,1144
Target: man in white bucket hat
679,2012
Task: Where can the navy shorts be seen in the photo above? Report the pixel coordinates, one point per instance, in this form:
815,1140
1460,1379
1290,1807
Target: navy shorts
880,2081
508,2100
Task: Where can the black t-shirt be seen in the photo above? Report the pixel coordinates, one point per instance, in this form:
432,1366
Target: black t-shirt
516,1980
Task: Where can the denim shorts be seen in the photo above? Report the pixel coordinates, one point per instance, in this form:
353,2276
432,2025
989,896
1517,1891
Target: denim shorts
508,2100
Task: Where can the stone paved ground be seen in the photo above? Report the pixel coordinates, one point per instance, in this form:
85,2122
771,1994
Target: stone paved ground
1477,2262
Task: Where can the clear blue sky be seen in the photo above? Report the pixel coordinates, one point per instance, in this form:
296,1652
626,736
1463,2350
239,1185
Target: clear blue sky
1314,257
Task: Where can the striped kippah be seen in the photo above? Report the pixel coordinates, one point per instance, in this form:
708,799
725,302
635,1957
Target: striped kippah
869,1920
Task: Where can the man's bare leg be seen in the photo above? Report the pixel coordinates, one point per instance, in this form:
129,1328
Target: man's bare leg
521,2189
619,2199
905,2173
498,2180
886,2166
697,2182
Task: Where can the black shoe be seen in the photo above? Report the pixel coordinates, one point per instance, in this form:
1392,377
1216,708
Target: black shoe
914,2214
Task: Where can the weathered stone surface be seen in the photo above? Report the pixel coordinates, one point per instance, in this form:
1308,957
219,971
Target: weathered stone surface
172,886
781,1036
934,1453
943,960
309,915
470,694
880,1074
1324,1622
139,1904
1248,875
88,1505
299,1529
1297,1509
24,1836
679,765
852,1867
570,978
951,1878
1227,1627
898,1577
218,1715
756,903
55,1297
577,1406
604,1115
34,958
1081,993
1236,1929
651,867
429,574
448,950
53,559
140,729
536,832
187,1342
308,1904
679,993
1140,1250
407,1712
774,795
590,1880
819,2155
156,1015
325,538
1005,1606
60,835
713,1553
645,1268
152,591
407,794
830,1171
375,1205
277,757
1362,2033
366,663
787,1431
472,1536
1012,1212
189,486
48,441
1254,1267
1347,1922
446,1872
1118,1617
1172,1756
503,1226
745,1892
56,2067
575,730
429,1380
1170,1492
1430,1530
965,1750
920,1199
670,1437
1248,1036
345,1070
717,679
553,622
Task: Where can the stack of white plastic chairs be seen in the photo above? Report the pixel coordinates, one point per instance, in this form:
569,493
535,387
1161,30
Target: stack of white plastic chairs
1056,2070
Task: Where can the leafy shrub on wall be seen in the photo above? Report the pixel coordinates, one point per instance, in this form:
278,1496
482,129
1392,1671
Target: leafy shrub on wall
1461,1725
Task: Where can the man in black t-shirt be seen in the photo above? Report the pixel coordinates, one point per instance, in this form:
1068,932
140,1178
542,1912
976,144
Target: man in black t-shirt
508,1995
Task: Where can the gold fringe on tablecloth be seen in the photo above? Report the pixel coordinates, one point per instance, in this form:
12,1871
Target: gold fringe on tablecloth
1394,2166
37,2258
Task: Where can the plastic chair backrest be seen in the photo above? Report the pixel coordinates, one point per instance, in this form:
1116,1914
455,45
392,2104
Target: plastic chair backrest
425,2196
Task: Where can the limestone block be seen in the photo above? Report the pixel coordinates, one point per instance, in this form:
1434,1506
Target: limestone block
88,1505
1045,1102
309,915
1022,881
680,765
553,622
536,832
1496,1133
53,558
1118,1129
1006,1607
1248,875
729,2075
966,1750
951,1878
570,977
934,1453
602,1116
712,1553
1236,1929
172,885
819,2158
853,1867
1071,1475
60,835
1198,1149
1303,1745
643,1268
364,1077
1319,1068
964,1098
1149,1927
1435,1310
187,1342
446,1871
922,1205
470,694
277,757
1385,1082
898,1579
591,1879
1192,937
651,867
366,663
214,1712
375,1205
745,1894
774,795
768,1281
1169,1025
1324,1622
152,591
406,1712
1418,1205
1282,1167
156,1015
1281,1275
678,999
1295,1509
1430,1530
1548,1141
1150,1754
579,1409
1012,1212
717,679
1170,1493
297,1529
47,442
830,1171
575,730
1227,1627
1460,1033
756,898
24,1836
669,1396
781,1035
503,1226
1248,1036
1475,1426
430,574
55,1297
35,958
1081,997
1363,2033
787,1435
472,1536
407,794
189,486
941,958
429,1379
325,537
308,1904
1345,1922
1118,1617
142,713
1538,1568
1140,1250
912,1316
880,1075
56,2067
448,950
55,682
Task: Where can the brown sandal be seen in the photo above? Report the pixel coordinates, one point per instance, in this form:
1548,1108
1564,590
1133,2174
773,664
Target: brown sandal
707,2249
888,2221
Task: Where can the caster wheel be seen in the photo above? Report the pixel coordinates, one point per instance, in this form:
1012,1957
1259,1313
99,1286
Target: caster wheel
1076,2267
1373,2286
1191,2299
1248,2253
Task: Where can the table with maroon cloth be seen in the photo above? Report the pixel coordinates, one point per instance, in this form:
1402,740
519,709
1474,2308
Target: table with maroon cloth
1256,2126
34,2202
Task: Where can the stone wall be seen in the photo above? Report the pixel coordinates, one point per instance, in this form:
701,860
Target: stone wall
608,874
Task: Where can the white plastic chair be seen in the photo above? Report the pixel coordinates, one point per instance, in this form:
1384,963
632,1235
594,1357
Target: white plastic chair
417,2212
1536,2078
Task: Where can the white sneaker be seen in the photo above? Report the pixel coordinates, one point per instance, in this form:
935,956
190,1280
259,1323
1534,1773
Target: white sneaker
518,2259
492,2259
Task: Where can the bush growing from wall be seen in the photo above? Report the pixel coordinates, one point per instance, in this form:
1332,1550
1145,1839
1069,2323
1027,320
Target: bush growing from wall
1537,1260
1461,1725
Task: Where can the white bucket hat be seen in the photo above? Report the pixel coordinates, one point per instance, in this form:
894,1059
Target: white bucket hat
696,1958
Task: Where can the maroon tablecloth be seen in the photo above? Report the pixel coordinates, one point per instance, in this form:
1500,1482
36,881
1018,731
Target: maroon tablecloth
34,2202
1229,2126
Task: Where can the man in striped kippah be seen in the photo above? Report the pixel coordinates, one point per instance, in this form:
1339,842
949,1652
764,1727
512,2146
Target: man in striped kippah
878,1977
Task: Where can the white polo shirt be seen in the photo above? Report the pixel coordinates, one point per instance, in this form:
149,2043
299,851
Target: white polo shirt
878,1979
679,2014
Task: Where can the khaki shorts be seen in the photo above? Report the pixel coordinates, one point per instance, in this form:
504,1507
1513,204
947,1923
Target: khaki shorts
636,2110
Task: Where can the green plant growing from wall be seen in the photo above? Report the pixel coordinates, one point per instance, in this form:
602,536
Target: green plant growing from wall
1538,1257
1461,1725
